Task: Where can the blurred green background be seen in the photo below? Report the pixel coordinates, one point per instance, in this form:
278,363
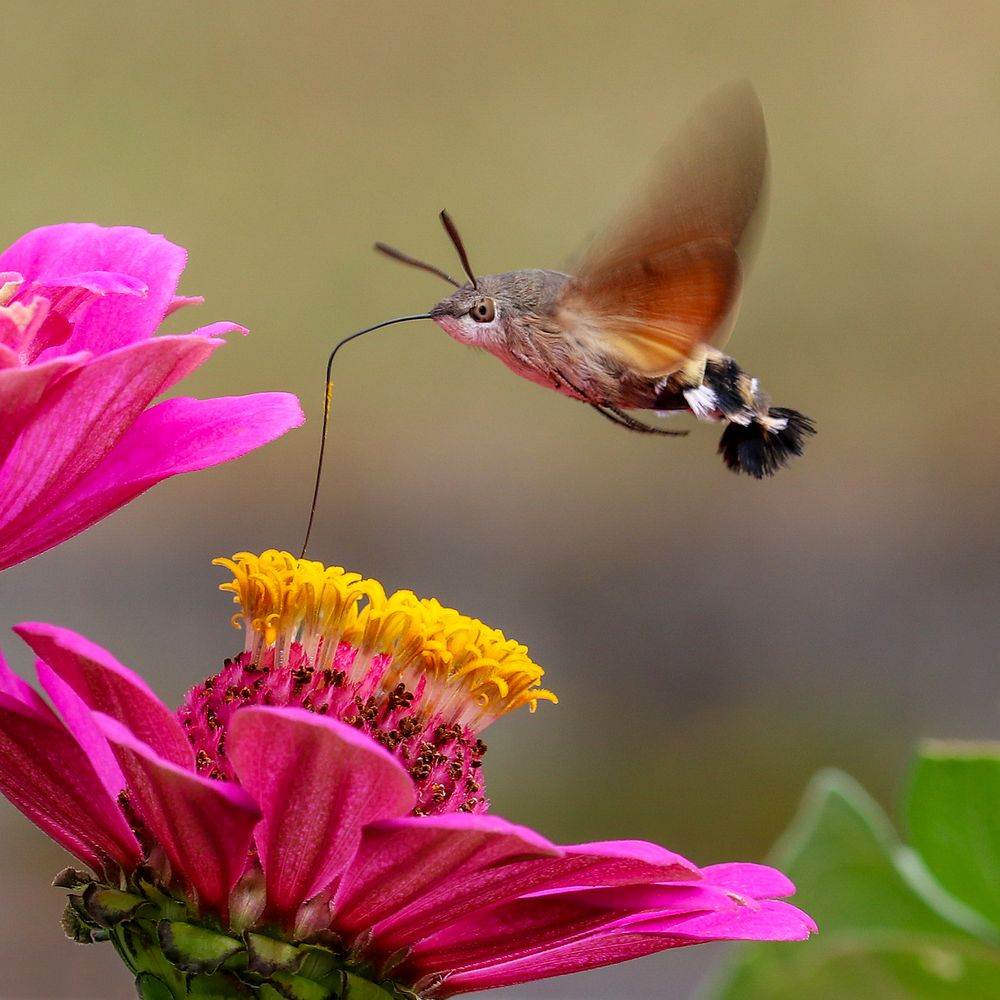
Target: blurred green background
713,639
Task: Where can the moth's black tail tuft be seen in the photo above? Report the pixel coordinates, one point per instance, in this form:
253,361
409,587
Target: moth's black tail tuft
760,448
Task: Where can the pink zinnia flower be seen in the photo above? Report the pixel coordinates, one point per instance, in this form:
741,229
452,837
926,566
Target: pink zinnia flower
79,366
312,822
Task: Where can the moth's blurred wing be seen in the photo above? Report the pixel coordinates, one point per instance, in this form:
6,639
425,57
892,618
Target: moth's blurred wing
667,277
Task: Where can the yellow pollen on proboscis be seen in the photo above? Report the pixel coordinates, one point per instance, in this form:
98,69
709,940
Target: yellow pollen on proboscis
473,671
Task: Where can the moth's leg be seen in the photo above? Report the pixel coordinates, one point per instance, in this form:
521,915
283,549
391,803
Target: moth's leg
623,419
611,412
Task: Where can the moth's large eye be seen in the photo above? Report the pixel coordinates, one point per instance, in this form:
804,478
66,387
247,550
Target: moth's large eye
483,310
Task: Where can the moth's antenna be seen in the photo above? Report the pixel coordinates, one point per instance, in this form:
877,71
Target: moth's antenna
405,258
456,240
328,392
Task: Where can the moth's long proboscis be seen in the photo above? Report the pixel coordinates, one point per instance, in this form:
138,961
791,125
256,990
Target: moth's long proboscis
327,393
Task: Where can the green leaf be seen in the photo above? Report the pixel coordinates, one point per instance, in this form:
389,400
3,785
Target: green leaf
882,935
870,968
953,814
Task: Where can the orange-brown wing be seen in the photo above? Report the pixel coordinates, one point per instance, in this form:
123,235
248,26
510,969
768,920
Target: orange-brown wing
667,277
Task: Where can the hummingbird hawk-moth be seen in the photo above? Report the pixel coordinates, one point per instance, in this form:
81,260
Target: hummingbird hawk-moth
640,321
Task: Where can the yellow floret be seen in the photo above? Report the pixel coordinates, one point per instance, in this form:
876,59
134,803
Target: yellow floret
474,670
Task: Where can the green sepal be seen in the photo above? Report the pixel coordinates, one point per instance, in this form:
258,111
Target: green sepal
364,989
194,949
293,987
78,926
150,987
168,907
400,992
72,879
267,992
108,907
323,965
267,955
218,986
174,958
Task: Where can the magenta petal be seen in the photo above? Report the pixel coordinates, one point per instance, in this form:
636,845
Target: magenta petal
655,857
51,253
79,720
759,920
574,956
176,436
203,826
20,690
68,300
217,330
82,418
22,393
79,364
105,685
532,924
95,283
746,879
554,933
318,783
470,887
619,862
418,873
184,435
45,773
528,939
182,301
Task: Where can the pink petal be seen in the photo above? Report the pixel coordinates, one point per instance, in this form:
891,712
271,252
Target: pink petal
417,873
318,782
45,773
94,284
203,826
18,689
20,326
105,685
82,418
758,881
67,301
529,925
79,720
183,301
575,956
619,862
217,330
549,935
22,394
764,920
178,435
519,942
50,254
184,435
446,895
768,921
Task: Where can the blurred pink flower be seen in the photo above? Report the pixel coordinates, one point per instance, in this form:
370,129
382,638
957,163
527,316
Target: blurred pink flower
79,366
275,837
